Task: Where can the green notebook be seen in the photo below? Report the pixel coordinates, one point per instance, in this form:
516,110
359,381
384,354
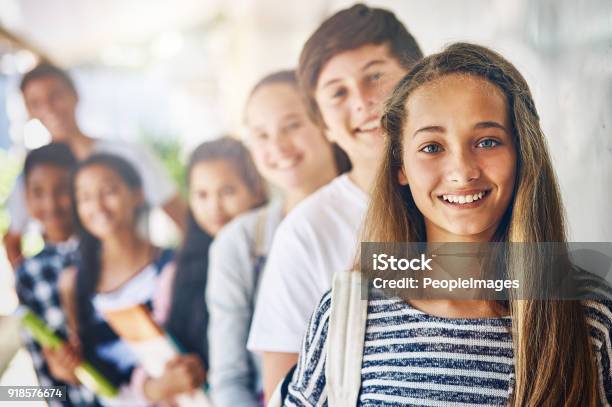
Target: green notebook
85,372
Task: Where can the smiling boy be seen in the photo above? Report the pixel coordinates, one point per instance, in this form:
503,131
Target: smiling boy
347,69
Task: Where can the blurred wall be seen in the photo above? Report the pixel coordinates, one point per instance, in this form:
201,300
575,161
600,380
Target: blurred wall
184,68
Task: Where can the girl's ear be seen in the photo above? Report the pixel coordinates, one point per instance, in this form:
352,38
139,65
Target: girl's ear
401,177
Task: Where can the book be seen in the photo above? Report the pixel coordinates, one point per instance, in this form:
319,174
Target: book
88,375
151,344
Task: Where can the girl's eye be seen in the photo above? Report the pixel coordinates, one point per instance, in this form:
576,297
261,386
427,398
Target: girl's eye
488,143
339,93
83,197
375,76
109,189
259,136
431,148
228,190
292,126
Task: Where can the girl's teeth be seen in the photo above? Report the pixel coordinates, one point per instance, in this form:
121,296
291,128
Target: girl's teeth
462,199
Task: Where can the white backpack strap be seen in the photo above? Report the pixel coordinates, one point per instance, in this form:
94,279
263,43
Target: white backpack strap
259,248
276,398
345,340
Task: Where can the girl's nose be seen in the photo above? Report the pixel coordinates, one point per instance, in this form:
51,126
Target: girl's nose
463,167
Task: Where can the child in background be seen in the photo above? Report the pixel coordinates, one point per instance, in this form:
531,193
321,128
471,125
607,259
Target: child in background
292,153
117,268
47,185
223,183
51,96
466,161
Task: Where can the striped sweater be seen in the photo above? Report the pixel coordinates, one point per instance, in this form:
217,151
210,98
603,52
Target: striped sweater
412,358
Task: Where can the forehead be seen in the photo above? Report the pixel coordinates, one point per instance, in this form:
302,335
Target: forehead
350,63
47,173
457,95
45,84
206,174
95,173
272,100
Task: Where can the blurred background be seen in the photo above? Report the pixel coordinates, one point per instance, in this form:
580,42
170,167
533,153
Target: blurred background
175,73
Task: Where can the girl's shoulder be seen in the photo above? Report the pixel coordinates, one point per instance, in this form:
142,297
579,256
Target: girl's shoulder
256,224
596,297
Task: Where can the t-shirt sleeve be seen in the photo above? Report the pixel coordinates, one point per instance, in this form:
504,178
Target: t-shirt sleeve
289,290
308,387
17,207
230,294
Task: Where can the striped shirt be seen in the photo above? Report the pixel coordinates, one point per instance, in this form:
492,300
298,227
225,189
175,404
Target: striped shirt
412,358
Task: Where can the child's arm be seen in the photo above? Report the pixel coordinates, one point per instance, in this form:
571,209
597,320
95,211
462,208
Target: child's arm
230,295
62,362
67,291
17,209
12,245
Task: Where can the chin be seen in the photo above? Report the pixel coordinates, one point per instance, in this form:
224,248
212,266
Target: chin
469,230
102,233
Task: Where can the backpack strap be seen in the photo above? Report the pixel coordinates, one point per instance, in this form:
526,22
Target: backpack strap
259,243
345,339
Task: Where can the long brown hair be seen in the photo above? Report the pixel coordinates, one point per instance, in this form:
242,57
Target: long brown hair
554,364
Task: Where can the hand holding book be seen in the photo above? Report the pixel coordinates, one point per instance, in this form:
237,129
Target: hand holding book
182,374
172,376
63,360
86,373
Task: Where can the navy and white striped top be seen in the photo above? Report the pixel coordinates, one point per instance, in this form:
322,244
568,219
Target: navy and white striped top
412,358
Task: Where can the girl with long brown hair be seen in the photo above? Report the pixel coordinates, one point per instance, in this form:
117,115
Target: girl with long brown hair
466,161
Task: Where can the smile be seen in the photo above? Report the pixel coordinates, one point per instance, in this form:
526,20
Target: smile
471,199
288,163
370,127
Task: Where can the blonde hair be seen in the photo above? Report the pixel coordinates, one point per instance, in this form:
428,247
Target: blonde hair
554,364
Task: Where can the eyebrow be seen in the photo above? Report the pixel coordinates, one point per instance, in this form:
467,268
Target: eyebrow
285,117
429,129
478,126
291,115
488,125
368,65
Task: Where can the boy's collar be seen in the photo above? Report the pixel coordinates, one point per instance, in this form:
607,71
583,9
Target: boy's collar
64,247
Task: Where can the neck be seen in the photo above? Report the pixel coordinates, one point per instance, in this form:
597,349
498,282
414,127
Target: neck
79,143
57,238
294,196
123,245
364,175
292,199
